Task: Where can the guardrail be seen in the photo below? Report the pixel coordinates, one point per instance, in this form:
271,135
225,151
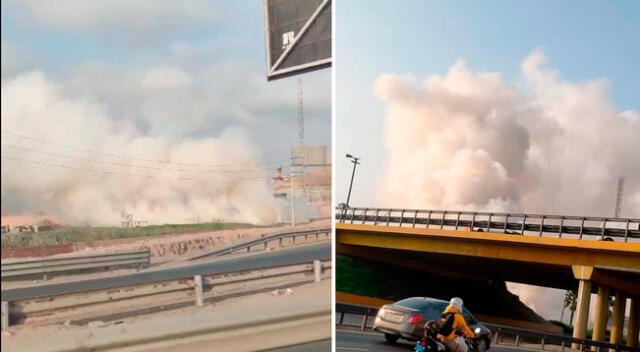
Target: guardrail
602,228
265,241
171,290
45,266
542,339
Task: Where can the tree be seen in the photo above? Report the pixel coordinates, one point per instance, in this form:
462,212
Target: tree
570,301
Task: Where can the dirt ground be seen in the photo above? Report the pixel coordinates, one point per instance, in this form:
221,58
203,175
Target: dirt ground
168,250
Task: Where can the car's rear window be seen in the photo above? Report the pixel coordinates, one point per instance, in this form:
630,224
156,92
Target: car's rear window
430,308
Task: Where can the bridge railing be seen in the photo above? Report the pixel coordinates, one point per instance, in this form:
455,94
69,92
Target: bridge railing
502,334
582,227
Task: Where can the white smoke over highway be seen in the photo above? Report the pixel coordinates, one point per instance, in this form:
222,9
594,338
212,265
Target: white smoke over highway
471,141
68,156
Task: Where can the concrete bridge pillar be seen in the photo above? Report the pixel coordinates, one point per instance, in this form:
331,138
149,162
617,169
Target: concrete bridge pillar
618,317
601,314
633,329
582,311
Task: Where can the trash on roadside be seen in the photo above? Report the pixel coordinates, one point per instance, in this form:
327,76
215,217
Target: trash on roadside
280,292
97,324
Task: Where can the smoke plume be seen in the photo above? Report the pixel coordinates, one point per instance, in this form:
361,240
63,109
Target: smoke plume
68,156
470,140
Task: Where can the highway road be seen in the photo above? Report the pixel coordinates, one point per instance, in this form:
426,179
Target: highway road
356,341
321,251
318,346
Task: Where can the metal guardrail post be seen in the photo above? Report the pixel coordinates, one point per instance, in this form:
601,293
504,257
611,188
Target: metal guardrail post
562,344
341,318
518,340
364,321
5,315
496,338
198,290
317,271
542,342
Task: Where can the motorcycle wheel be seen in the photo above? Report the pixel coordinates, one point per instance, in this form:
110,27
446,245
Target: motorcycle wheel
391,338
481,346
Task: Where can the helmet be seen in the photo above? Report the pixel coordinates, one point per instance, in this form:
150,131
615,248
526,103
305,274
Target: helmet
456,302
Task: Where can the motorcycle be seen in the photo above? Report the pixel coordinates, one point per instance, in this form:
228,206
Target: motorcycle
431,343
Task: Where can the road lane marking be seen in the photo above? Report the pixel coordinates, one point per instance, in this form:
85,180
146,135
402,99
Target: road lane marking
358,332
351,348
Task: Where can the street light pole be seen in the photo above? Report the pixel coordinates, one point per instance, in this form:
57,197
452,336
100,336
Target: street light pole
293,204
355,162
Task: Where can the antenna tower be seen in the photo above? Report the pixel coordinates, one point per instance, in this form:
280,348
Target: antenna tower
619,197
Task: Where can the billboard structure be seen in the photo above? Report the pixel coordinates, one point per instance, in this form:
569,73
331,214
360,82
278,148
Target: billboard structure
297,35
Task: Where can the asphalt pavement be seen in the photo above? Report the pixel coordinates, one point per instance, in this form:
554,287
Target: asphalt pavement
298,255
317,346
355,341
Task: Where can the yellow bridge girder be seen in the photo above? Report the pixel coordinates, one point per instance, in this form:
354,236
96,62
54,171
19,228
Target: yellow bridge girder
543,250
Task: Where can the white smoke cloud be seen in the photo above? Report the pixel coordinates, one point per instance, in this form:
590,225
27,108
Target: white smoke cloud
470,140
39,107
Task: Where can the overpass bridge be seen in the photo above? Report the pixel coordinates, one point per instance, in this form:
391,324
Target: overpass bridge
587,254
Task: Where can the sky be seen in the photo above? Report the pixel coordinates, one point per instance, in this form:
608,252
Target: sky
225,38
582,40
526,106
148,80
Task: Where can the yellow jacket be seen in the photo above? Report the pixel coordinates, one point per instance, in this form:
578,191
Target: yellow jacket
458,322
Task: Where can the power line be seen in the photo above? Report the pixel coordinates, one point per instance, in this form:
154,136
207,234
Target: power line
107,172
135,158
128,165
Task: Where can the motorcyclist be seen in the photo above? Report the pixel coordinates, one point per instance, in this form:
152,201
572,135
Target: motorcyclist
451,341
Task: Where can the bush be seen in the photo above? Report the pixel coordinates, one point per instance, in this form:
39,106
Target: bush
87,234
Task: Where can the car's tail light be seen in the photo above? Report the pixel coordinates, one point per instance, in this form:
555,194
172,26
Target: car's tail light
415,318
381,312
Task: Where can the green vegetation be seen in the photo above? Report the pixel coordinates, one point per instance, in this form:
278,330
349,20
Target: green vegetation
354,277
566,328
87,234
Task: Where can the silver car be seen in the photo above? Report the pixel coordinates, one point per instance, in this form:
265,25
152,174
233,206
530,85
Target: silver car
406,319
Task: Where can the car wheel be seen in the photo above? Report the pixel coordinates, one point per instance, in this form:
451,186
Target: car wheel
482,345
391,338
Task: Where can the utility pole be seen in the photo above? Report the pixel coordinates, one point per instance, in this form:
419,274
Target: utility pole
293,200
355,162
